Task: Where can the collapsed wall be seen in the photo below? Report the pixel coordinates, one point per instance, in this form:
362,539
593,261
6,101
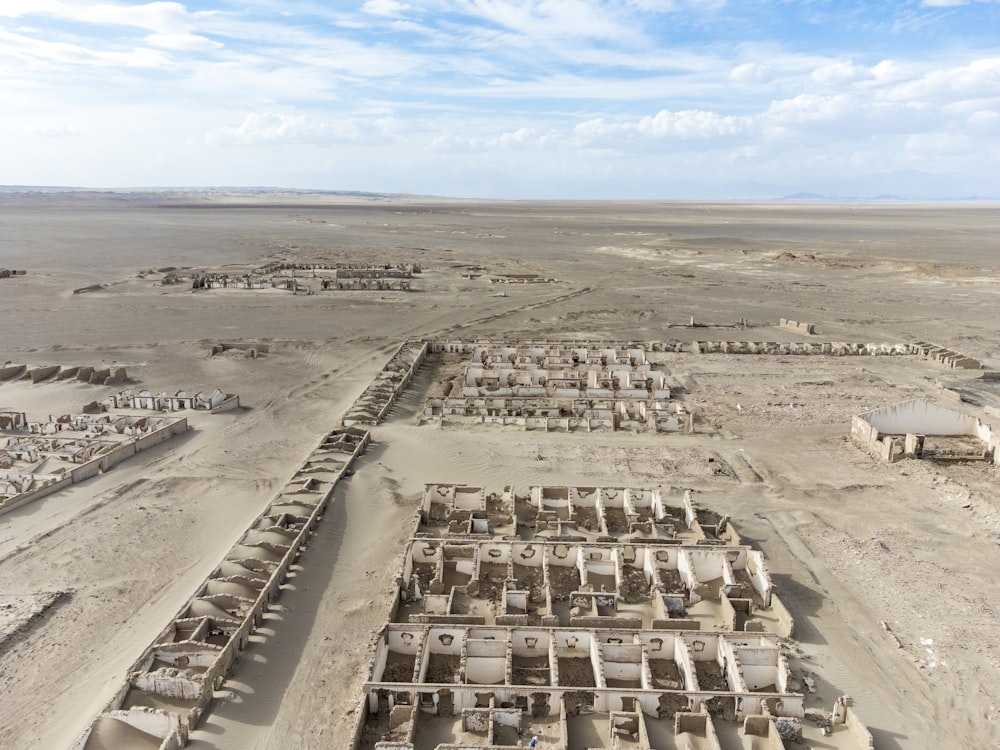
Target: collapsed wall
832,349
793,325
85,374
930,352
945,356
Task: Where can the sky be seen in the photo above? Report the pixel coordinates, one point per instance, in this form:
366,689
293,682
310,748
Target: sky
573,99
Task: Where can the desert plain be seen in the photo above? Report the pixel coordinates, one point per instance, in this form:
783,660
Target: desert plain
890,570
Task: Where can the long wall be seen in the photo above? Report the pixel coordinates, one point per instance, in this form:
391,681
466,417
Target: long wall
376,400
195,651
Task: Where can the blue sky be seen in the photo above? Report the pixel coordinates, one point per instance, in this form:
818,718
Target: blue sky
497,98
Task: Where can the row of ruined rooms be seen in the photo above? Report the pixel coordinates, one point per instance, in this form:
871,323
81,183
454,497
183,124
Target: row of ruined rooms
560,414
632,660
626,382
295,285
550,355
569,556
344,270
491,724
463,687
275,271
381,393
424,720
173,682
95,426
490,353
571,513
560,584
163,401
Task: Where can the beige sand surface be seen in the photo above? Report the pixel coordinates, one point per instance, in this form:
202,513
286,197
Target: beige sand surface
853,544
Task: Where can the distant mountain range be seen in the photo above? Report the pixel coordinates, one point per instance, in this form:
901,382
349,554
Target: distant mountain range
906,186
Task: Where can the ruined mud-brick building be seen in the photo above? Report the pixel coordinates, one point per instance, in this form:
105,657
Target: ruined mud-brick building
557,386
521,278
172,684
215,401
922,429
599,617
38,458
310,278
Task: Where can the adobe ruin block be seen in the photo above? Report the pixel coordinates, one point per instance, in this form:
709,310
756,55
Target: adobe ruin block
72,449
374,403
945,356
217,401
188,661
575,612
579,386
808,329
922,429
307,278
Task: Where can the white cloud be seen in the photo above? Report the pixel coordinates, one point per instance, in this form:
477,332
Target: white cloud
889,71
597,129
692,124
17,9
559,19
750,73
266,128
43,54
162,17
985,120
517,138
384,7
188,42
977,79
839,73
672,6
277,128
810,108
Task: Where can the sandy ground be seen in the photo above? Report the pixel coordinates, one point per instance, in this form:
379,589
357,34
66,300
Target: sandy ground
889,570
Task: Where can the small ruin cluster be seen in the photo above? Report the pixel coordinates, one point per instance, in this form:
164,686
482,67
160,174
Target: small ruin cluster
38,458
557,386
306,278
216,401
521,278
